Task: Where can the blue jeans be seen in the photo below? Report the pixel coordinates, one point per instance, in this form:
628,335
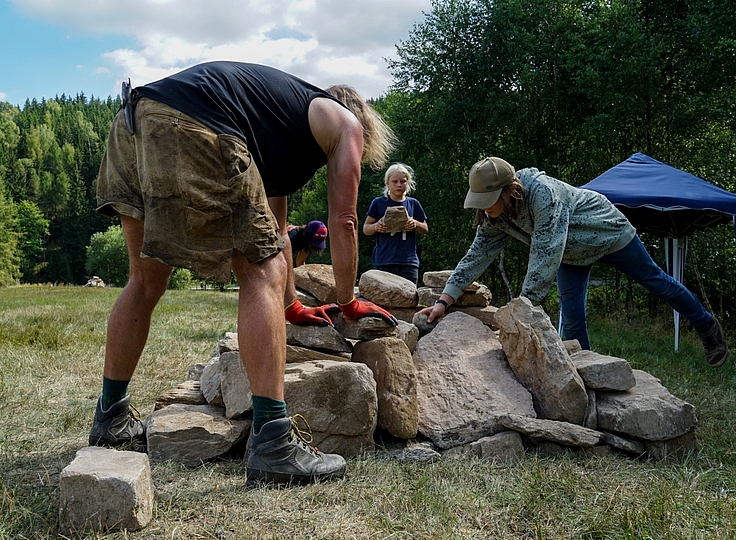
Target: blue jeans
635,262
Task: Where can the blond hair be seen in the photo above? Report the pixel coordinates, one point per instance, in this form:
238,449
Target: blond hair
378,139
400,168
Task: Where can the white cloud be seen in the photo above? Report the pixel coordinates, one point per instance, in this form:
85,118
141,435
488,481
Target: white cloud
322,41
3,96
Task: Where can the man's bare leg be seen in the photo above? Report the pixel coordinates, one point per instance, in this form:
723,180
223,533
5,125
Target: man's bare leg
261,323
130,318
127,332
277,453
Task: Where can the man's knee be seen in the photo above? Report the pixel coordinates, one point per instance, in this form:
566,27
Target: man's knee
149,278
271,269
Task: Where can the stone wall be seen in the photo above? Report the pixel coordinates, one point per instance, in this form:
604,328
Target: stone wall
487,382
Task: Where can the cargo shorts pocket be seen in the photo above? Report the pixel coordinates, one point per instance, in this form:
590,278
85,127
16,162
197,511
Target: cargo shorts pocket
255,229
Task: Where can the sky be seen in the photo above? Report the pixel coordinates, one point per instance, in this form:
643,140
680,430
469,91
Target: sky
54,47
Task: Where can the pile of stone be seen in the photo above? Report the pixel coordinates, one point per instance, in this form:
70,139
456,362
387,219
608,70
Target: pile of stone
482,375
94,281
485,382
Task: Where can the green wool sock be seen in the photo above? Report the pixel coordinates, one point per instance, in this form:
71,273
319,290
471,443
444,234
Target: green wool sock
113,391
266,409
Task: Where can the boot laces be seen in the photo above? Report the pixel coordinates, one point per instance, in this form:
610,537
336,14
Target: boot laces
302,434
134,413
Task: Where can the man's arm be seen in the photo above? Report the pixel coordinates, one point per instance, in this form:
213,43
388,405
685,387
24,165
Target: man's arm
295,312
340,135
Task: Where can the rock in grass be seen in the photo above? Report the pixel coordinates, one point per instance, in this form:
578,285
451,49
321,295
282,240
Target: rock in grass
105,489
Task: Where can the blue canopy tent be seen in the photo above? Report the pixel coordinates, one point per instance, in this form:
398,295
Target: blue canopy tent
665,201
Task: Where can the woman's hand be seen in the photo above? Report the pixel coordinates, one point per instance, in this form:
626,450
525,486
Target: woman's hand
435,312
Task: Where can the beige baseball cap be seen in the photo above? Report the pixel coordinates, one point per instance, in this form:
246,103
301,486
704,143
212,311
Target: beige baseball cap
487,178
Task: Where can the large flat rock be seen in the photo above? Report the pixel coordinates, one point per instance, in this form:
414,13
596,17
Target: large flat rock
464,383
648,411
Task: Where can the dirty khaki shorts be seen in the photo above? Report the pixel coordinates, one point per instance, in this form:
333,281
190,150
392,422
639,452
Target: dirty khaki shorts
199,194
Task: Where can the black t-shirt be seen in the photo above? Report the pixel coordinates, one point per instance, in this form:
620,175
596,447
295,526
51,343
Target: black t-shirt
265,107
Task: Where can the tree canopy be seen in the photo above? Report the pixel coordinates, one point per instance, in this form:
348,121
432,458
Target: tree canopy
572,87
50,153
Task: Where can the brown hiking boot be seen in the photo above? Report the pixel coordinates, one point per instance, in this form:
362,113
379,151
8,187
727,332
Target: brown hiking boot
716,348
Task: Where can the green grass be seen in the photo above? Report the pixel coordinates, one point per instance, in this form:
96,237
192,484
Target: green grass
51,348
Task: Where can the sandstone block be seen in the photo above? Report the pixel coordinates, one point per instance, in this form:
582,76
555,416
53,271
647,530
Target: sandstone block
601,372
189,393
623,444
540,361
210,381
396,384
227,344
676,448
194,373
427,296
414,452
477,295
306,298
296,354
338,400
317,337
318,280
572,346
647,411
409,334
191,434
553,430
436,280
387,290
480,297
104,489
363,329
235,385
591,415
486,315
502,448
395,219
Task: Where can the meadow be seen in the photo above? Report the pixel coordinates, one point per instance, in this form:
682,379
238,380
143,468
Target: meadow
52,343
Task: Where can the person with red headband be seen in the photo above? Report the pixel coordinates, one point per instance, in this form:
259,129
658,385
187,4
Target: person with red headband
306,239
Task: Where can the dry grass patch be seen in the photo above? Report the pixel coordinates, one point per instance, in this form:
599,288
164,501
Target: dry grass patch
51,346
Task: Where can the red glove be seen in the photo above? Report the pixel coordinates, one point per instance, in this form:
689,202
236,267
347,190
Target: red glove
296,313
356,309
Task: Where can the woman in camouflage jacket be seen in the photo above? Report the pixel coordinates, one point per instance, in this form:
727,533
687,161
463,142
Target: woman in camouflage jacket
567,229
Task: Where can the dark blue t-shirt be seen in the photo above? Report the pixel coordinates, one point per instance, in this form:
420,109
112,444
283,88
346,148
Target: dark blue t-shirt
393,249
297,242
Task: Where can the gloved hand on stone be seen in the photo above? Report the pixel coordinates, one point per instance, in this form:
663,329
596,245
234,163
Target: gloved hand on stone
357,309
296,313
